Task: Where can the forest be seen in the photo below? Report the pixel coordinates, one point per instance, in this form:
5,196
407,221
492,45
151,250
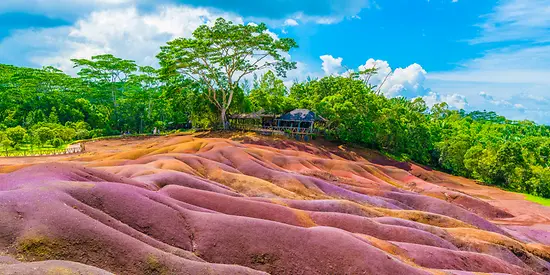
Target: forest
226,69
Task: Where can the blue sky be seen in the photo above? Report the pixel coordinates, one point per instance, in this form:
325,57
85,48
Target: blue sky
476,55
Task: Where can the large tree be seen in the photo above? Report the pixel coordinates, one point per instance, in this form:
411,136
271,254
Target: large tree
109,73
219,56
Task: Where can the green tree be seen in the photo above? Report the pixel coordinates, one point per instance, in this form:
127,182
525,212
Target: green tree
16,135
5,142
220,56
108,73
44,134
270,94
66,134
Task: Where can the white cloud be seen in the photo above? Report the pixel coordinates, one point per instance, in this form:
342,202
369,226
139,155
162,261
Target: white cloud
291,22
331,65
127,33
486,95
407,82
67,9
503,103
514,20
507,65
510,76
455,101
498,102
382,67
516,75
519,107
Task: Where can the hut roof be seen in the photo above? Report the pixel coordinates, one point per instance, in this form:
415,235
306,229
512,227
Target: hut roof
301,115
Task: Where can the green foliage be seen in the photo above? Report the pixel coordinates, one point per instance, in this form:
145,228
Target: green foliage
57,142
483,146
270,94
16,134
539,200
44,134
203,79
5,141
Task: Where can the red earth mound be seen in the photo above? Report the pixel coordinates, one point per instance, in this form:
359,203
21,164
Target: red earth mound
196,205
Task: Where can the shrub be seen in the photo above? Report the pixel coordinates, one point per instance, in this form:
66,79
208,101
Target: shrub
57,142
83,134
16,134
66,134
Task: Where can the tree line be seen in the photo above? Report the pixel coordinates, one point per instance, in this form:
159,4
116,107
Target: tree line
229,68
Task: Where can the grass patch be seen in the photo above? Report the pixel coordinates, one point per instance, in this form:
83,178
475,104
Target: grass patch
155,267
36,148
539,200
37,248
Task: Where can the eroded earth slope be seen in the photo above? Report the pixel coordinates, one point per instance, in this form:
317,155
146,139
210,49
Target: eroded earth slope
196,205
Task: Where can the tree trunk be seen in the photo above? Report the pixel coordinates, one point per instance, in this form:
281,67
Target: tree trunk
224,119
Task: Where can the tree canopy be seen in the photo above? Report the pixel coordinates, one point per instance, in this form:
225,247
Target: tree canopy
220,56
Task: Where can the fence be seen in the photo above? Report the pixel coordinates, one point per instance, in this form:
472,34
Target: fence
71,149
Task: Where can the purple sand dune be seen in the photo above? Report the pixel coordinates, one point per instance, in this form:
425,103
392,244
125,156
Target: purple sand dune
68,230
339,206
433,257
183,179
437,206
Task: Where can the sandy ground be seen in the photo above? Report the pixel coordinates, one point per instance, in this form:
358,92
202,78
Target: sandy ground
92,147
175,204
525,212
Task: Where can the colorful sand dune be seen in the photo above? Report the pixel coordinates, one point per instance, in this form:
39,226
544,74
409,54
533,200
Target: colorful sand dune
190,205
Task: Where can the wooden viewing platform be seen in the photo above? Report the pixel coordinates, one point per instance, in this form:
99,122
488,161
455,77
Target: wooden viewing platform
299,123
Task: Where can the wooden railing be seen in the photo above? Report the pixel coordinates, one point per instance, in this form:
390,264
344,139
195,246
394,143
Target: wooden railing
277,129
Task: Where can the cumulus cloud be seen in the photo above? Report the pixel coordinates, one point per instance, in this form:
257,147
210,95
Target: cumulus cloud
127,33
331,65
291,22
407,82
455,101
